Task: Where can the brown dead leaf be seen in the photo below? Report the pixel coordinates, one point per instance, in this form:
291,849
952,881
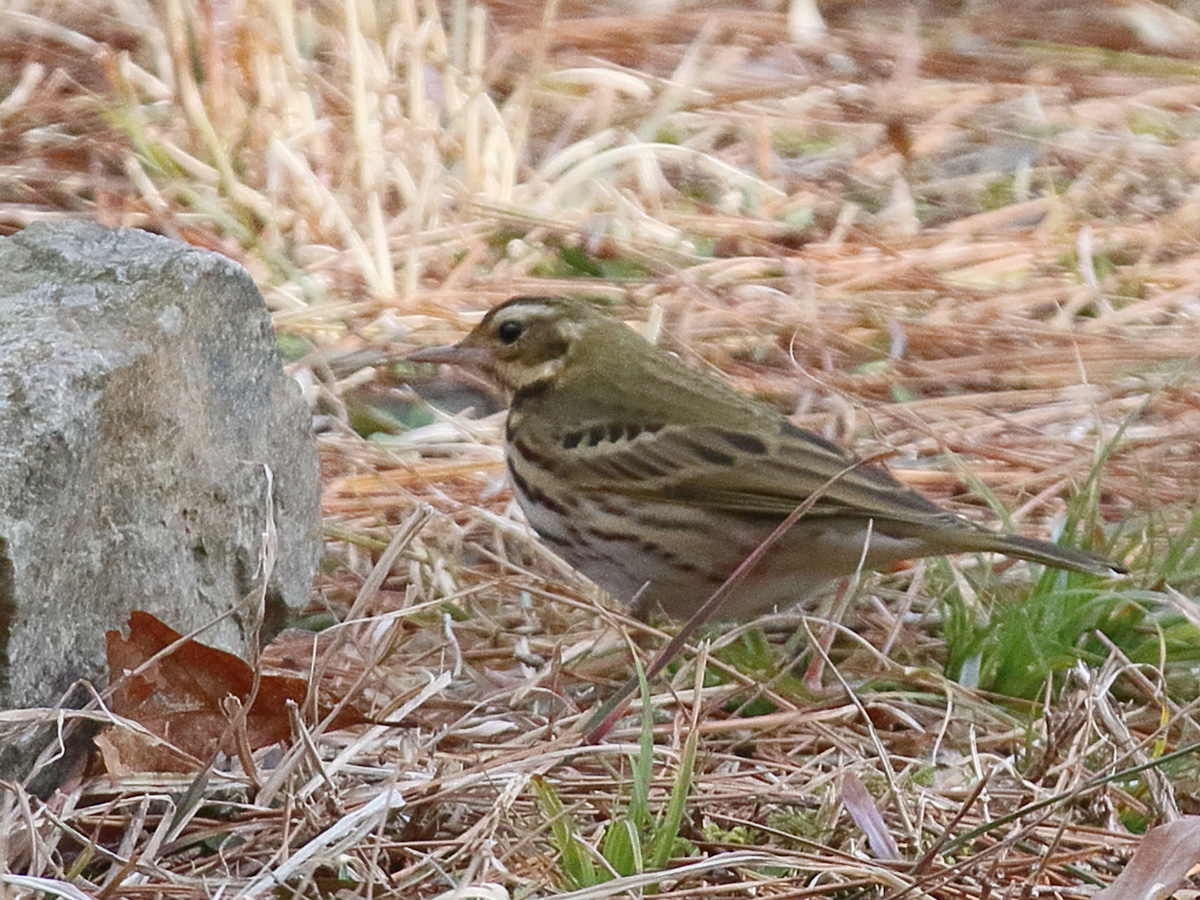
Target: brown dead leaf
1160,864
127,752
181,697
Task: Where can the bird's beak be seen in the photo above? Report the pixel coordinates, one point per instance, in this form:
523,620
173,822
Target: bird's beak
455,354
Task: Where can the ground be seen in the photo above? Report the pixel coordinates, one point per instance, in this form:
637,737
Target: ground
959,238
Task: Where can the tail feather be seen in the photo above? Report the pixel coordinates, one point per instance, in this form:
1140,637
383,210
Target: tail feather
1042,552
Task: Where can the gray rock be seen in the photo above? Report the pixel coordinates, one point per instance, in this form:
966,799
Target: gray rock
142,404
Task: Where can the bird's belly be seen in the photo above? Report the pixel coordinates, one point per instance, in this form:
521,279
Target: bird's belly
672,556
615,550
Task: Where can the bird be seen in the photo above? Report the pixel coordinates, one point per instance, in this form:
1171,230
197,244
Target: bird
657,480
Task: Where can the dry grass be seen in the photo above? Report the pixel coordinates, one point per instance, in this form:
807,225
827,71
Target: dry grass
919,241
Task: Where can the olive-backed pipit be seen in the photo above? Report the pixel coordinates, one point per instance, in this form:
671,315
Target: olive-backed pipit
657,480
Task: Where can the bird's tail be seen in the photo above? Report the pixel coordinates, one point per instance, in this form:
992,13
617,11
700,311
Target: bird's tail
1043,552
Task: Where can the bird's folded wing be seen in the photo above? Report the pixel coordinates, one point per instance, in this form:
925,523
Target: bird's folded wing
744,471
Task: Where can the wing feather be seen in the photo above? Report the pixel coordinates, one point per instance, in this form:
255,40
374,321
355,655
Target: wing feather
739,471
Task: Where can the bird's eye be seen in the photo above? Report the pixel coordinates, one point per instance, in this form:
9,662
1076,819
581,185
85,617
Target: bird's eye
508,332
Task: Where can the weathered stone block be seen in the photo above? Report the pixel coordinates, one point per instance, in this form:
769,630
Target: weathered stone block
142,404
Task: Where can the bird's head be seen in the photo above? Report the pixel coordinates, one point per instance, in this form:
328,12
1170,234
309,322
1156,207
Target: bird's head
526,341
